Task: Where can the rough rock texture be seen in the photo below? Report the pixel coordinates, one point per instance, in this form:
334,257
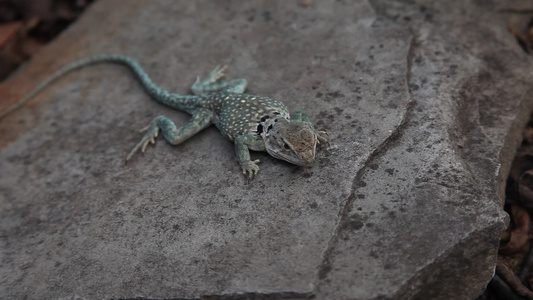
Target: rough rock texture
424,102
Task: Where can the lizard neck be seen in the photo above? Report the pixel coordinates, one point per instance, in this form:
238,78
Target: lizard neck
270,123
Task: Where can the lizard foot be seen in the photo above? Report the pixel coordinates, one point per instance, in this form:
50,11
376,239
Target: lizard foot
250,169
213,76
321,139
152,131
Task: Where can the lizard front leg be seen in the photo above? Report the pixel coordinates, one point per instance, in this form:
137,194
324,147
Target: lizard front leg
301,115
199,120
242,145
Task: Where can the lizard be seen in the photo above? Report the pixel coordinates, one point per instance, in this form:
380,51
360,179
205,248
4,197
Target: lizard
252,122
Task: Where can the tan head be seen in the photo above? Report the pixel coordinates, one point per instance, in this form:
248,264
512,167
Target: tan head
294,141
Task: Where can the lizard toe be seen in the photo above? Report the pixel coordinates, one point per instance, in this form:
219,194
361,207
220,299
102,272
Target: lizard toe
321,139
152,131
250,169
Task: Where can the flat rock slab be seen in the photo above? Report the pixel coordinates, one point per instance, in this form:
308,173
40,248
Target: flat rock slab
423,100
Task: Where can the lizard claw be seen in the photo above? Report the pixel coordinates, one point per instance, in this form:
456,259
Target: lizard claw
250,169
217,73
152,131
321,139
145,128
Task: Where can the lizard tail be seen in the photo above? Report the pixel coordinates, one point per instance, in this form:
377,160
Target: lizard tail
183,102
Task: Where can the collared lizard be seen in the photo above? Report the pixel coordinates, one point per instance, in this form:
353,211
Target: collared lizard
251,122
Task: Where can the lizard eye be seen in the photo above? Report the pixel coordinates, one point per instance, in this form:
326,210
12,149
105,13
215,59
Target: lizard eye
286,146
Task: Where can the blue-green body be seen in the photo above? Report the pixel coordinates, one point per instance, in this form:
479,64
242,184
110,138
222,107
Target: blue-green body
252,122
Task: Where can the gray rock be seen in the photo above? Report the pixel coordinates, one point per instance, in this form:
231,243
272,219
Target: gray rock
424,103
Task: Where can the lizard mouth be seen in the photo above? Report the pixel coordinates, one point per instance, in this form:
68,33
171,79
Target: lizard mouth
307,158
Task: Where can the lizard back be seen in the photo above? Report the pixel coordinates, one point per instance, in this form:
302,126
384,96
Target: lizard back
237,114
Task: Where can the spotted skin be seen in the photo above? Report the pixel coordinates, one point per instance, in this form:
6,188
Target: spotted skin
239,114
251,122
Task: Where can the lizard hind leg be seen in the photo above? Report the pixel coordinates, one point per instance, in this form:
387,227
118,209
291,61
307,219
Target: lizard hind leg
215,75
199,120
215,82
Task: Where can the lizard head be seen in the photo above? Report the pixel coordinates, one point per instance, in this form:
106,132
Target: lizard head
294,141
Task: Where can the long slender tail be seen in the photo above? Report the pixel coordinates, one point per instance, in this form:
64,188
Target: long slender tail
183,102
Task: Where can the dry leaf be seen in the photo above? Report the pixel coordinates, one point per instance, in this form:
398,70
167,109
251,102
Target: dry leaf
519,236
